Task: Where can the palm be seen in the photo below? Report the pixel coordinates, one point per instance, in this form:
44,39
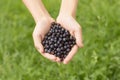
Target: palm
74,28
41,28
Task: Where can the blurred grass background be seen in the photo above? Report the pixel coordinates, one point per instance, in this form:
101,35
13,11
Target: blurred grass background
98,60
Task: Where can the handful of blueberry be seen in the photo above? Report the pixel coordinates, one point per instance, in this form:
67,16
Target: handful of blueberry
58,41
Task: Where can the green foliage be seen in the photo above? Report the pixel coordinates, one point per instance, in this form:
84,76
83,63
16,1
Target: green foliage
98,60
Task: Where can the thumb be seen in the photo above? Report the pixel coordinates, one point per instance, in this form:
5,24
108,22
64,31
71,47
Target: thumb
38,43
78,36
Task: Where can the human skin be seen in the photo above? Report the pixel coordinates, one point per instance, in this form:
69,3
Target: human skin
66,18
43,20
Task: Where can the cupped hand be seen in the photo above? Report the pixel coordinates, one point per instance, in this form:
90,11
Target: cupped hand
41,28
69,23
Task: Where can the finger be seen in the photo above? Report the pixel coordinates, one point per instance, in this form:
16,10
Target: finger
58,59
72,33
37,42
78,36
71,54
49,56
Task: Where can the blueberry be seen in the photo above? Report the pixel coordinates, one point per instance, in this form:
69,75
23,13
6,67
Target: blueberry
71,45
60,45
49,50
57,34
64,39
58,49
65,47
70,42
51,39
50,31
66,43
46,46
61,48
46,50
59,31
46,42
56,30
48,38
64,35
58,24
68,49
58,41
61,36
68,46
58,54
51,46
73,42
55,52
55,45
64,52
55,40
43,42
65,56
53,23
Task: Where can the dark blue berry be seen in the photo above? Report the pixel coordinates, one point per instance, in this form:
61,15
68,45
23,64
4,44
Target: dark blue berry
58,41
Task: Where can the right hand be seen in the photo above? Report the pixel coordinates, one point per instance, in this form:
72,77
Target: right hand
41,28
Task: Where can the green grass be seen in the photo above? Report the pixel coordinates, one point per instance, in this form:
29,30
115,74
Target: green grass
98,60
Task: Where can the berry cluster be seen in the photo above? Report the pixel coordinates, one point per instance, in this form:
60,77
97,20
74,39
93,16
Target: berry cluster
58,41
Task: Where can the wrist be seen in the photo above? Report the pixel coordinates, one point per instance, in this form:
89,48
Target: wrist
62,18
64,14
45,18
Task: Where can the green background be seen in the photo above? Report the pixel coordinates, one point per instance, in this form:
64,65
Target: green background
98,60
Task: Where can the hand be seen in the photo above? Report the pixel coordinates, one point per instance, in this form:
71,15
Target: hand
69,23
41,28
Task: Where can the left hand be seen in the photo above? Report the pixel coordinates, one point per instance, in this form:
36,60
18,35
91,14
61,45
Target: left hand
69,23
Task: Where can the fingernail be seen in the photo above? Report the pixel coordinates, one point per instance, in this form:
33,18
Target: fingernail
64,62
81,45
58,60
